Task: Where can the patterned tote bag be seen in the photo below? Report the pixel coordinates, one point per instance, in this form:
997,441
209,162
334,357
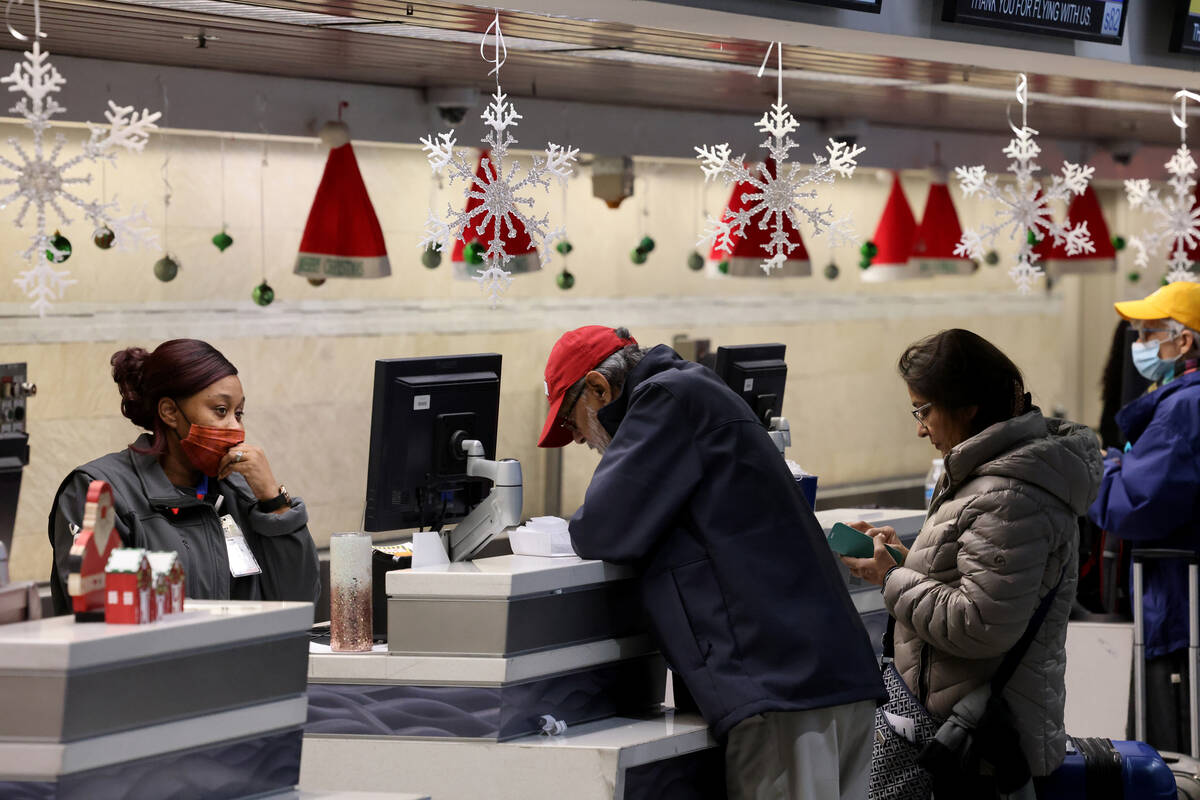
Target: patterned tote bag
902,728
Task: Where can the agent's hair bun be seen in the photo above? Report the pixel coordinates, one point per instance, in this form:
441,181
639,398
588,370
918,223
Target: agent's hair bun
128,369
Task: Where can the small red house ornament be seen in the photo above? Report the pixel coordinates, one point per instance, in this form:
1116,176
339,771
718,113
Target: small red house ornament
129,587
90,553
166,566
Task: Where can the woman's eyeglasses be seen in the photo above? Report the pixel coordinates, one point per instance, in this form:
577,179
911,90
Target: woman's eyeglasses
921,413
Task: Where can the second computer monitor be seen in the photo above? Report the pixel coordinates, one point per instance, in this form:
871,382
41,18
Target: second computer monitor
758,373
422,410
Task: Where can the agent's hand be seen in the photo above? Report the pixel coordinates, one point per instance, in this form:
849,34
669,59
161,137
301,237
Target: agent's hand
874,569
890,537
252,463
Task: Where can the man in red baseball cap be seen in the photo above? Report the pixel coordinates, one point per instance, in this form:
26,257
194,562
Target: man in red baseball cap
739,584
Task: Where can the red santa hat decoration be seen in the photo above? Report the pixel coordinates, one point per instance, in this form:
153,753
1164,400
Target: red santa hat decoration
750,250
938,235
1054,258
467,257
893,239
342,238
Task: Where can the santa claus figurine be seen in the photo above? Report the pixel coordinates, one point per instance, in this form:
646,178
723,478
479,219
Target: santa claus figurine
89,554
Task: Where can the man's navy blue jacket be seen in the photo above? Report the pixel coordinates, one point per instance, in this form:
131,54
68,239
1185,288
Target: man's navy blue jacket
739,583
1151,495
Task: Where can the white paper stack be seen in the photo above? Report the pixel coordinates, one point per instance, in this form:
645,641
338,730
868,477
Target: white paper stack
542,536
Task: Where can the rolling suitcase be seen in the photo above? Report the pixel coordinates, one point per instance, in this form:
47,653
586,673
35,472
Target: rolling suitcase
1186,768
1101,769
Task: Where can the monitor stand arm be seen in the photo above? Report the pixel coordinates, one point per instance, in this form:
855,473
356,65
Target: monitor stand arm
781,433
499,510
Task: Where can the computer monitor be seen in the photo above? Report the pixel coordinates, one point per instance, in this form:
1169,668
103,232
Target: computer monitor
758,373
422,410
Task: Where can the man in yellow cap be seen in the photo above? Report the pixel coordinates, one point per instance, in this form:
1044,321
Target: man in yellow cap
1151,492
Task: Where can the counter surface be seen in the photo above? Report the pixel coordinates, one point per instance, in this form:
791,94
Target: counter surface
60,644
502,577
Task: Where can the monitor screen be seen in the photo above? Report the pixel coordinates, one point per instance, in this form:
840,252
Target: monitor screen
1185,33
1089,20
758,373
421,411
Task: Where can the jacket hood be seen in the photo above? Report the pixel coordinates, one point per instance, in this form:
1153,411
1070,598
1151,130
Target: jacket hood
1060,457
656,359
1133,418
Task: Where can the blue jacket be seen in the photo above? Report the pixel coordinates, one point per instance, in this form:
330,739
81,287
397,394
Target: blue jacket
1151,495
739,583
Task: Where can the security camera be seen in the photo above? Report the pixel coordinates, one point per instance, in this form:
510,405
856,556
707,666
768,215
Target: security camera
452,102
1122,150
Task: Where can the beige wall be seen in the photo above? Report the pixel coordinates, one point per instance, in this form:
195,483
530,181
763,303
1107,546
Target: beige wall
306,362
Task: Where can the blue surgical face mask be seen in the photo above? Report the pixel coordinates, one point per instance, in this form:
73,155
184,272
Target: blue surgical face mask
1147,362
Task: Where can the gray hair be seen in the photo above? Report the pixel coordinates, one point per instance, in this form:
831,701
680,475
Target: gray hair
615,368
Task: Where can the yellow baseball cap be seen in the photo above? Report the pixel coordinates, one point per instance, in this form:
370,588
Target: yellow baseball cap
1179,301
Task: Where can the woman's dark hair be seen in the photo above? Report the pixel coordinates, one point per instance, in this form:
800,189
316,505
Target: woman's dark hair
956,369
177,369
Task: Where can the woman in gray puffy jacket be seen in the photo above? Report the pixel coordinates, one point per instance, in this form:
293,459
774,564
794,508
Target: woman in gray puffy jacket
1001,530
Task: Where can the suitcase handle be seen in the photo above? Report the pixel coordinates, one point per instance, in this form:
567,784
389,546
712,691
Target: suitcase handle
1140,556
1165,553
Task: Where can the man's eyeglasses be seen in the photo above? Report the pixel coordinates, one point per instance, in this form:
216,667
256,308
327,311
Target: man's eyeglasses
567,418
921,413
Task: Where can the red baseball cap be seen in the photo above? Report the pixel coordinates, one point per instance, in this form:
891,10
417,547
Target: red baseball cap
575,354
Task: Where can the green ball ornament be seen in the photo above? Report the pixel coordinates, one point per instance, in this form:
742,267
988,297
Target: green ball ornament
166,268
723,268
695,261
832,271
564,248
1032,238
316,281
637,257
222,240
103,237
263,294
646,245
1164,281
991,258
864,262
473,253
431,258
62,245
565,280
1134,276
1119,243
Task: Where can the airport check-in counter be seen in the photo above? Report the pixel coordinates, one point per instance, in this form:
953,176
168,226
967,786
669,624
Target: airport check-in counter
483,655
480,653
206,703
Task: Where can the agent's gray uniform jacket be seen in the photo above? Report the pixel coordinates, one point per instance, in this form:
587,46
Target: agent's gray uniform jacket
1002,527
154,514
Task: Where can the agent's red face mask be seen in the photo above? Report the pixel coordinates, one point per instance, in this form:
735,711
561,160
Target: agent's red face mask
205,446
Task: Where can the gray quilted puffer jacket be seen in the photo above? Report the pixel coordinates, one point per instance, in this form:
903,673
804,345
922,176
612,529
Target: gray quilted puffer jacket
1002,527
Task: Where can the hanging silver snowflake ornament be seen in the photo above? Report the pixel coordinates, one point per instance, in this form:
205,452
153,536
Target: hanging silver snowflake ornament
41,178
498,188
781,189
1177,216
1023,207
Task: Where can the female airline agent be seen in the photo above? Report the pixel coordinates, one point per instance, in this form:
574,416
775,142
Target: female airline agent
173,487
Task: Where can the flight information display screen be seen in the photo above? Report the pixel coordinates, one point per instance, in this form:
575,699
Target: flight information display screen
1090,20
1185,36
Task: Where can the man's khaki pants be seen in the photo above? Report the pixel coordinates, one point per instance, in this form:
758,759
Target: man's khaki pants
820,754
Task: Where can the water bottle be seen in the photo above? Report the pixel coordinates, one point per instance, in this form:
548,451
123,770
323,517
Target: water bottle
931,480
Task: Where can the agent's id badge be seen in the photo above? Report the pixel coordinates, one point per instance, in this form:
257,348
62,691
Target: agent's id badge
241,560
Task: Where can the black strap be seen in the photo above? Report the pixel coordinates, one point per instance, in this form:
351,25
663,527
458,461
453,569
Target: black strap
1102,769
1013,657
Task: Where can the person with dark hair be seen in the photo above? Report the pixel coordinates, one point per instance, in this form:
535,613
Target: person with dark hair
1151,492
1001,536
737,579
191,482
